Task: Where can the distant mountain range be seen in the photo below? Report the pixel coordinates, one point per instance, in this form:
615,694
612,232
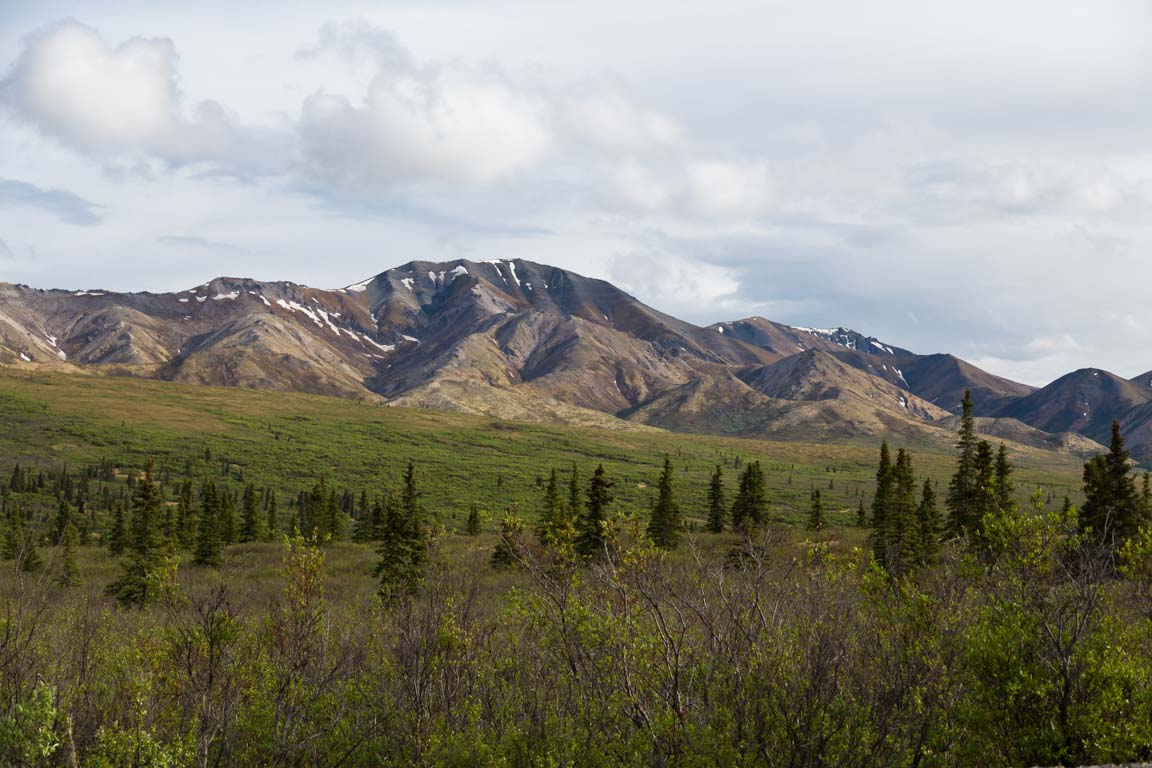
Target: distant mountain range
520,340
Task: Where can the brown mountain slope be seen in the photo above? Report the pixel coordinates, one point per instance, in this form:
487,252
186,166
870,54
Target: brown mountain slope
813,394
784,340
1084,401
818,375
940,379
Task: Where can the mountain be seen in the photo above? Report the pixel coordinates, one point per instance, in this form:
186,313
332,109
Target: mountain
940,379
508,338
812,394
784,340
1084,401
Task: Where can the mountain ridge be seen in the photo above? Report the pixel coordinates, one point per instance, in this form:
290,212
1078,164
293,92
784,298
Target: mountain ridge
522,340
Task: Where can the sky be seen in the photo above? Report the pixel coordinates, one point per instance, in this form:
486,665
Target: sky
973,178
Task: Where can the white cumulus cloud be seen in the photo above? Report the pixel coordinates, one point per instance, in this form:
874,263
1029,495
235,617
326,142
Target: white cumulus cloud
447,124
124,100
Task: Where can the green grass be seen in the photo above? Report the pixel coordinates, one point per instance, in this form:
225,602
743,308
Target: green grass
287,440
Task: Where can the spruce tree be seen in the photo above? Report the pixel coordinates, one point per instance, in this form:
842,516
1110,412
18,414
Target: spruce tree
69,573
145,556
249,515
273,515
928,518
666,523
404,545
590,536
472,527
1003,474
29,556
902,527
63,518
750,507
881,503
962,490
379,515
185,517
509,550
716,502
208,542
861,515
226,517
986,494
334,517
551,512
816,513
118,534
575,508
1112,510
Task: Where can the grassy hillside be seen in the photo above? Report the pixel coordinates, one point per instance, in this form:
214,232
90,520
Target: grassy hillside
287,440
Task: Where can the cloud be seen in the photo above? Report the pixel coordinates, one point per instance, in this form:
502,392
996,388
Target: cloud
416,123
707,189
6,252
953,191
191,241
64,205
451,124
607,120
112,101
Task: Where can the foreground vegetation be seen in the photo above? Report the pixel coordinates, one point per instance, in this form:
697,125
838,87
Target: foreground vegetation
730,651
649,599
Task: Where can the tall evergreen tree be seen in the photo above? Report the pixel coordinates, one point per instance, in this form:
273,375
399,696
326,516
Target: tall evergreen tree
334,517
118,534
716,503
69,574
666,523
404,545
575,508
472,526
226,517
881,503
816,513
750,507
986,495
962,490
185,517
861,515
1112,509
551,512
928,518
272,512
590,535
29,559
208,541
1003,474
63,518
249,515
904,548
140,571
